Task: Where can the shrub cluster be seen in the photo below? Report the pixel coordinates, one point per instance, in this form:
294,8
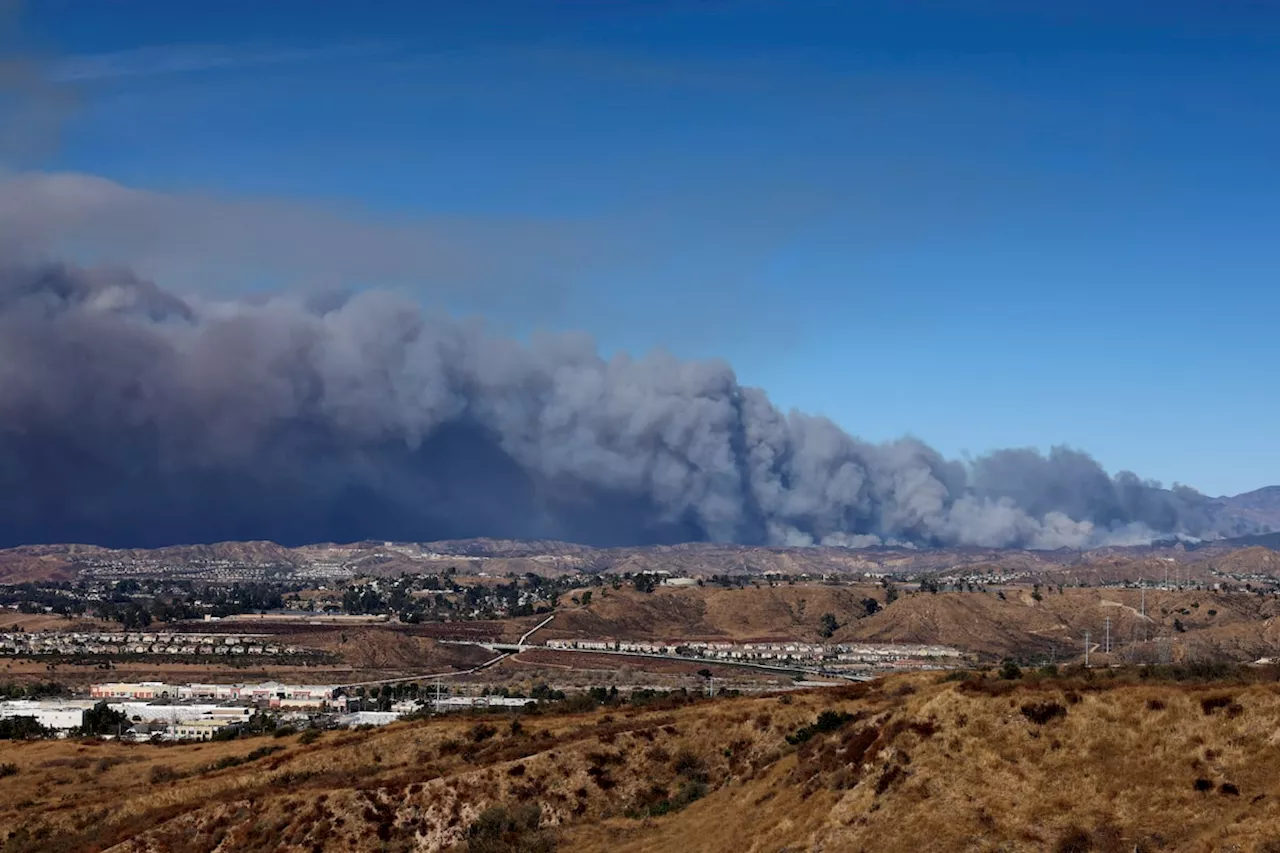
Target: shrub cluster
499,829
236,760
1043,712
162,774
688,764
828,721
481,732
1210,704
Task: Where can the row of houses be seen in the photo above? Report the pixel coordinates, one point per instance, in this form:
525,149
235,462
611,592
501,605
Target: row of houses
88,643
884,655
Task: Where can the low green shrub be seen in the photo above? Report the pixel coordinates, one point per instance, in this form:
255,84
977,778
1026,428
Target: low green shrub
828,721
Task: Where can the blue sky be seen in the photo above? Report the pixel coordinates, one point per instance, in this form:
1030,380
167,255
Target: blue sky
982,224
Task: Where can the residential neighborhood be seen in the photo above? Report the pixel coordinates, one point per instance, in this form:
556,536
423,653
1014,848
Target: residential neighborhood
121,643
853,656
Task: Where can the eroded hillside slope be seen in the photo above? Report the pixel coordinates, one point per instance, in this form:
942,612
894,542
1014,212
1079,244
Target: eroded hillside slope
1101,762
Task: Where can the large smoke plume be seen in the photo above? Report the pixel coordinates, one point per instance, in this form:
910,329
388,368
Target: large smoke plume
129,416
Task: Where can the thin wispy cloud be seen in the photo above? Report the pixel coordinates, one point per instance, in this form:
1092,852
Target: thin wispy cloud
160,60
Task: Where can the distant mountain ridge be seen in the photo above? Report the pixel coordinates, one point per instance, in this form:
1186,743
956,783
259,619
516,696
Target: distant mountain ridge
499,557
1261,507
1259,510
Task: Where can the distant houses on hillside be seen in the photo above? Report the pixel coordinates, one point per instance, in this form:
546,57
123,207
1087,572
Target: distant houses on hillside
160,643
851,655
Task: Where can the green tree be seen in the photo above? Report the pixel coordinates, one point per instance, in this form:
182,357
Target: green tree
586,598
22,728
1010,671
827,625
102,719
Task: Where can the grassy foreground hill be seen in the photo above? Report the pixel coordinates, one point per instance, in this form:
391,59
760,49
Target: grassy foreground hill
1100,760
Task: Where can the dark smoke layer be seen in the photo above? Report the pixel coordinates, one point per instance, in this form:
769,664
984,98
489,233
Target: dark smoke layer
131,417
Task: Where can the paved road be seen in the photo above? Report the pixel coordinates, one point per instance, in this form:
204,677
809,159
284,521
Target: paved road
529,633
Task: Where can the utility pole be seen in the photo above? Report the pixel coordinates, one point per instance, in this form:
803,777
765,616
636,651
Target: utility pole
1086,649
1108,644
1144,611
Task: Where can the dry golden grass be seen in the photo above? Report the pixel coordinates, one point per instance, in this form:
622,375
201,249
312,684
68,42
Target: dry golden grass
1108,763
1117,772
12,620
1215,625
790,611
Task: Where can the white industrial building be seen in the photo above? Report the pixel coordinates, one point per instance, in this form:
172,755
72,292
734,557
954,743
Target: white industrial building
59,715
455,703
267,691
368,718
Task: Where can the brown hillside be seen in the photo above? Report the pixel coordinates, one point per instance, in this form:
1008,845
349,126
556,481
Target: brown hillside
1238,626
1256,560
1020,626
35,563
1104,763
783,611
389,650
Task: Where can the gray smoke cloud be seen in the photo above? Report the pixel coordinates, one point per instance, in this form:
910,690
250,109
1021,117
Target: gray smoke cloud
130,416
207,243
